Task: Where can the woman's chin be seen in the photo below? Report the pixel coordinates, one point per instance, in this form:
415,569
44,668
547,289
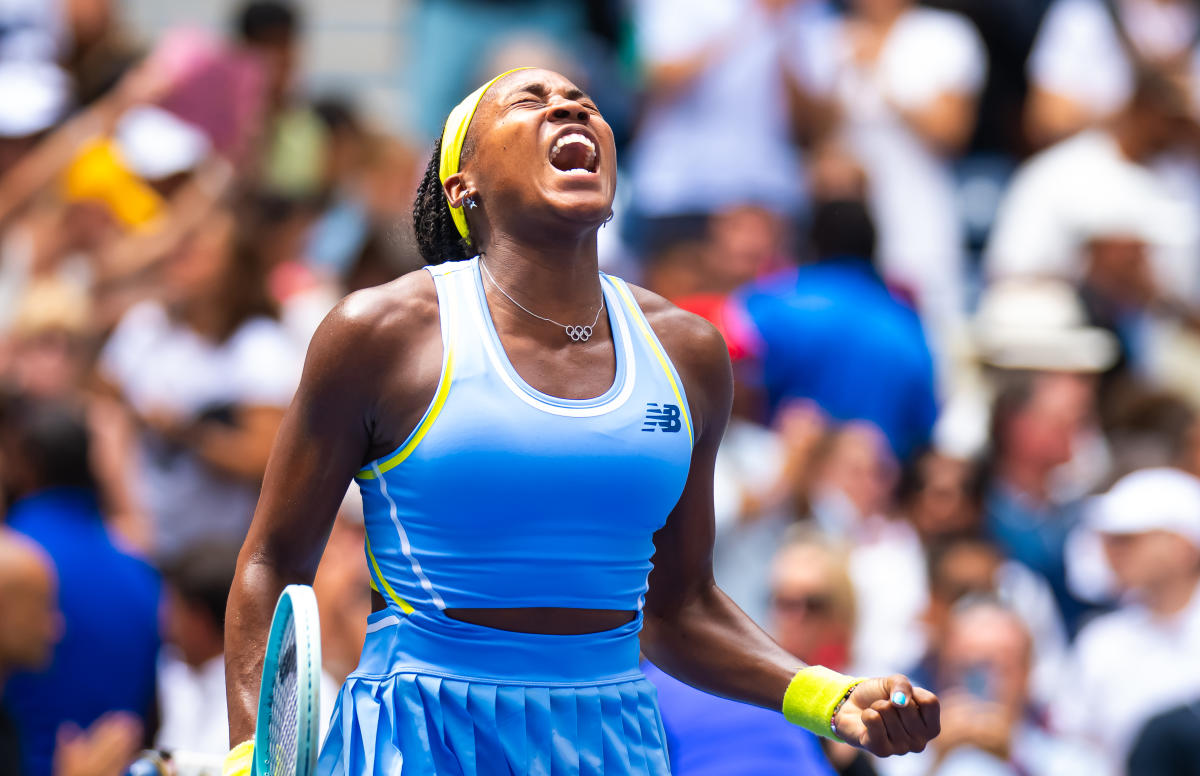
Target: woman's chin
587,211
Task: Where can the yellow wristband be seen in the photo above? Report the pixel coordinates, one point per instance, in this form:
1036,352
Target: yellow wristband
239,760
813,696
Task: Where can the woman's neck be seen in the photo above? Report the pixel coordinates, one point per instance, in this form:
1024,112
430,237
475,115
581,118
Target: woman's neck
562,284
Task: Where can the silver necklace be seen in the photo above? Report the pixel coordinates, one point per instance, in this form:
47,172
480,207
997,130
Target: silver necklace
576,333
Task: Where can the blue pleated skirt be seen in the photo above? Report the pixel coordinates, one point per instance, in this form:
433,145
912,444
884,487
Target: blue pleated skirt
432,695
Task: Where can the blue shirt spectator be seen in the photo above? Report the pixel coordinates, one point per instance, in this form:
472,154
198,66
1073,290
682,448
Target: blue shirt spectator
833,333
109,600
712,736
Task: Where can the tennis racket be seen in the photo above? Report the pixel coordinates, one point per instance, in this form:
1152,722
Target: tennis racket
285,738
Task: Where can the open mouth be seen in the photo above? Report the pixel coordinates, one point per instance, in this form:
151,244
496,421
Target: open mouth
574,154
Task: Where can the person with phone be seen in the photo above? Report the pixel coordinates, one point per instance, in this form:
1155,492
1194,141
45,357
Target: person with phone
990,724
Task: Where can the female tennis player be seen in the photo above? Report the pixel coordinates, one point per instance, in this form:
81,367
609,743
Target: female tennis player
534,442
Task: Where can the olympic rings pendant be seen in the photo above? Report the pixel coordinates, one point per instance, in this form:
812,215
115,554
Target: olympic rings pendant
579,333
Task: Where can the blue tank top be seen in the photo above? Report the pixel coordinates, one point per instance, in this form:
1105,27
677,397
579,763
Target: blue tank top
504,496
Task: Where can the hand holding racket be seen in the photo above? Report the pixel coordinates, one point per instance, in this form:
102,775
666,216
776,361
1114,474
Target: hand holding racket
285,735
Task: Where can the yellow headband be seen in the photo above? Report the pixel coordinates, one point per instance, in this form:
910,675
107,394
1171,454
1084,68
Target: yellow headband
452,142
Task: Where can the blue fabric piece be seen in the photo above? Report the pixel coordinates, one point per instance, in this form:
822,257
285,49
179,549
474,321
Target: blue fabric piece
433,695
515,498
832,333
109,603
712,736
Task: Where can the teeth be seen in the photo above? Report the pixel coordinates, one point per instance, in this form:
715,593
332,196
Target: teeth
583,140
574,137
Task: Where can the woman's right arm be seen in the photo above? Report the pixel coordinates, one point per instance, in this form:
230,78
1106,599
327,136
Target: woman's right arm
373,338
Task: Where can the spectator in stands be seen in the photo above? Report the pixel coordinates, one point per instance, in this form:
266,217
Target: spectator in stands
812,615
34,96
940,495
207,377
1140,660
31,626
191,672
1148,428
990,725
99,50
49,341
1037,420
718,90
812,600
849,499
747,242
969,566
903,83
1101,185
291,159
829,331
1084,64
109,600
760,487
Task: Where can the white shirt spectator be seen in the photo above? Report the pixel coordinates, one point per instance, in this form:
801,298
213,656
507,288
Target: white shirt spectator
193,708
192,705
162,365
1084,187
887,567
725,138
927,54
1079,55
1125,668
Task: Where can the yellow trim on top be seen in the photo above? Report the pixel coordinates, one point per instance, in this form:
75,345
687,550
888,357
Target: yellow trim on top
439,401
636,312
405,606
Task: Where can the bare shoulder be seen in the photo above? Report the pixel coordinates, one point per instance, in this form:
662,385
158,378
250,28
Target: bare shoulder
398,309
370,331
699,353
691,341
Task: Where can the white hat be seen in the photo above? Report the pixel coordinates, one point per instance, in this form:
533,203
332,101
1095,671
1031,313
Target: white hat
1039,324
33,97
1158,499
157,144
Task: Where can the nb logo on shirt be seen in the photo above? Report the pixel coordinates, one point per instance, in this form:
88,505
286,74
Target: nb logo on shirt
666,418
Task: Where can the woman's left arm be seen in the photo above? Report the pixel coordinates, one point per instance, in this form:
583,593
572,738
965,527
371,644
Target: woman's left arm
692,629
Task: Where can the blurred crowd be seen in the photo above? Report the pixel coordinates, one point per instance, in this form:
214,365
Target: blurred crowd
953,248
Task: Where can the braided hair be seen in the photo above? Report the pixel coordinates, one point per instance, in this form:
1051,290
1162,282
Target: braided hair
438,239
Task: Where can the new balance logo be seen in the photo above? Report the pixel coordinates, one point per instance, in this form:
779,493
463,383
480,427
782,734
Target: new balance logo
665,418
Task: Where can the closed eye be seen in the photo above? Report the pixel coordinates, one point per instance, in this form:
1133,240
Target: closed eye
528,97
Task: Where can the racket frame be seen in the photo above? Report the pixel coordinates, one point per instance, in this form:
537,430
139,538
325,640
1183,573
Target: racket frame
298,603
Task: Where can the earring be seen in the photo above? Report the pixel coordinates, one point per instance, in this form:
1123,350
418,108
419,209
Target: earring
610,217
469,202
